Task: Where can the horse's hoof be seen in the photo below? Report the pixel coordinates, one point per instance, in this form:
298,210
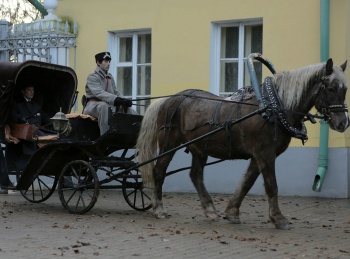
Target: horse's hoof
211,214
281,222
161,215
283,225
234,219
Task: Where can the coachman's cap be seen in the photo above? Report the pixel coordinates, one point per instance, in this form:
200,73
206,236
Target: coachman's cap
103,55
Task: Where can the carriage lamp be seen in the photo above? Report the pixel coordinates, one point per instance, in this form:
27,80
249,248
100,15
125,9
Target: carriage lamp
59,121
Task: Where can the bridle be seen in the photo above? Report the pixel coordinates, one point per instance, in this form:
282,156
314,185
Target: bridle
326,110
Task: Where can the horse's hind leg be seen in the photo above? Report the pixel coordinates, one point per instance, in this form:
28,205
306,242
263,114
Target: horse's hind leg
232,209
159,172
196,174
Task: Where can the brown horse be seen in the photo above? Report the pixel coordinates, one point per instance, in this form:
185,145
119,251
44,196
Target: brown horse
171,122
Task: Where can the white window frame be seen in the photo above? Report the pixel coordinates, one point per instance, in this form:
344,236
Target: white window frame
215,43
113,47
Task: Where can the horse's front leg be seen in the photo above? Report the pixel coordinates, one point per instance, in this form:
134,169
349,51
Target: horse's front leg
196,174
159,172
271,189
232,209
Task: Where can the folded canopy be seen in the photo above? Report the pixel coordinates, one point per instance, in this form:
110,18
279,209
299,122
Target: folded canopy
55,86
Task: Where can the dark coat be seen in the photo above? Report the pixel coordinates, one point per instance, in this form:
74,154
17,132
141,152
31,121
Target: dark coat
29,112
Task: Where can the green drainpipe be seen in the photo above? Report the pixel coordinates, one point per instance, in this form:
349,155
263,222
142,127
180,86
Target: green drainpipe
324,127
38,6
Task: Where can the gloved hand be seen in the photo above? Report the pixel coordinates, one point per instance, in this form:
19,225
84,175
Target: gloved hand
122,101
127,103
118,101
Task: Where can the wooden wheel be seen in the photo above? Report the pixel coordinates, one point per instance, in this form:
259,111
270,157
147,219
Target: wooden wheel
78,187
138,197
40,189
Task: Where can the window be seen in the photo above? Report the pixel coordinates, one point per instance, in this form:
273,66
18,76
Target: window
131,65
231,43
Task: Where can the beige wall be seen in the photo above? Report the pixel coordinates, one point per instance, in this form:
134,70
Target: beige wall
181,37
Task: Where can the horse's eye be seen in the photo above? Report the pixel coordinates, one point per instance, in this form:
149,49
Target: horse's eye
331,89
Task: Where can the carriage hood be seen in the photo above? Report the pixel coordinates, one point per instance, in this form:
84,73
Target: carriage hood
55,86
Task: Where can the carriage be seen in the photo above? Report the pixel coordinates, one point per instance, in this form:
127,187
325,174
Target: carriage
257,125
73,158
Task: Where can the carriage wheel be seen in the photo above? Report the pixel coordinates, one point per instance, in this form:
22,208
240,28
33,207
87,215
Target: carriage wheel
40,189
138,197
78,187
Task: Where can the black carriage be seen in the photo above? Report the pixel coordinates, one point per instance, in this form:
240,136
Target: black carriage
75,160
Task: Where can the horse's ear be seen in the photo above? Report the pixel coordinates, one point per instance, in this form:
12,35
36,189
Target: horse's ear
343,66
329,67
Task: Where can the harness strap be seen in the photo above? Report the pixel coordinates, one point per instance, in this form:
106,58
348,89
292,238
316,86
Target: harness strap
215,118
167,124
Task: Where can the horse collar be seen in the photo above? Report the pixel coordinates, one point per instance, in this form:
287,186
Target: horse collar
275,110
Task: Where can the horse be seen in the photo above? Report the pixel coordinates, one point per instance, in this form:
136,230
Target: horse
186,116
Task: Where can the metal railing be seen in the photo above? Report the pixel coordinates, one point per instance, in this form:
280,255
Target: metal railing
43,40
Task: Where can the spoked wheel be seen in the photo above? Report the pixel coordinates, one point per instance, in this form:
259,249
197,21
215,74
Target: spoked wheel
138,197
40,189
78,187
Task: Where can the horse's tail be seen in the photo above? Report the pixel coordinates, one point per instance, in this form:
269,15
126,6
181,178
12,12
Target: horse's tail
147,142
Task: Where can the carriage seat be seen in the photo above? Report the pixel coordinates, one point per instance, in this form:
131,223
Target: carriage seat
80,115
84,127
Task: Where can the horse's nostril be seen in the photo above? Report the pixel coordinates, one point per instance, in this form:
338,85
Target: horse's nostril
343,126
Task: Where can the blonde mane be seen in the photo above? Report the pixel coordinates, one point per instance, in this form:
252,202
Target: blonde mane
293,85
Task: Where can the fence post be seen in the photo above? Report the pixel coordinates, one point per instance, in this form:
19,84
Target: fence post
4,27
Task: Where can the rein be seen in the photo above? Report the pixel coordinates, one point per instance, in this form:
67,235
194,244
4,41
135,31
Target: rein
191,96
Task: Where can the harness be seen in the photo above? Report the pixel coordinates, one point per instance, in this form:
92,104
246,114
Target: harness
276,112
268,97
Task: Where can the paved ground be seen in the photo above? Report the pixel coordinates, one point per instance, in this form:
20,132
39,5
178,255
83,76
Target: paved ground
321,229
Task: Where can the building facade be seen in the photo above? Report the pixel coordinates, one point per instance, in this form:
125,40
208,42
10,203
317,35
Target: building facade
160,47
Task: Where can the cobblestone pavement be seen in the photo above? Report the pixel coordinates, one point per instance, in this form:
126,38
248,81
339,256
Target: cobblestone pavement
321,229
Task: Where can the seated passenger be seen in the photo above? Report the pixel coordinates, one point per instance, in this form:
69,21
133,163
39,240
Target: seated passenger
102,93
28,111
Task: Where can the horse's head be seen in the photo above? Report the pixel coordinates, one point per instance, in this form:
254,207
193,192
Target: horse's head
330,99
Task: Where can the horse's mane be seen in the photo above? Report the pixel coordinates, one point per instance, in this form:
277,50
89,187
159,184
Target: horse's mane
293,85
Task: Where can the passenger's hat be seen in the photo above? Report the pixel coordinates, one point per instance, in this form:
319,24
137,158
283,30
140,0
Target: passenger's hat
103,55
24,86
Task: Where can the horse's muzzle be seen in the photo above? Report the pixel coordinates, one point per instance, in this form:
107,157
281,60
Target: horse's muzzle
339,122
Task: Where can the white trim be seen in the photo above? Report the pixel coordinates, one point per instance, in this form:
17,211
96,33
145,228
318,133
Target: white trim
214,58
112,43
241,55
215,43
134,65
113,47
114,39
